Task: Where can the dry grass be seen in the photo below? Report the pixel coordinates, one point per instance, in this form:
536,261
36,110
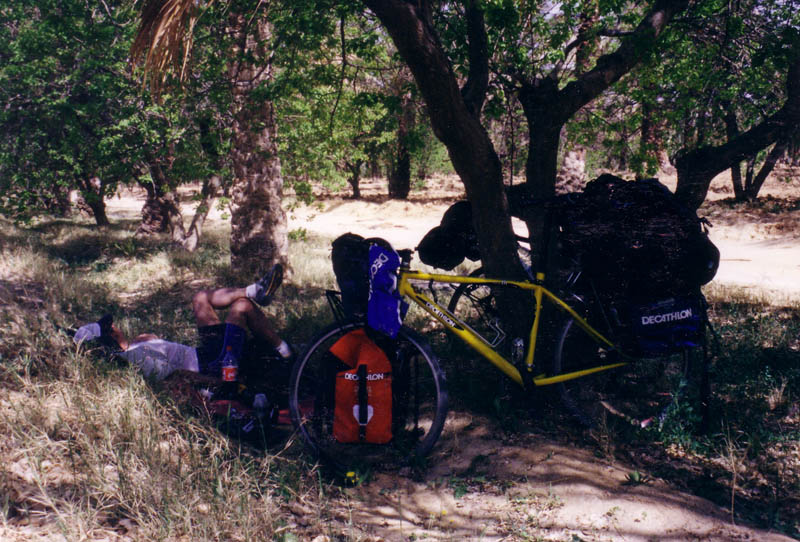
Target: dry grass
90,450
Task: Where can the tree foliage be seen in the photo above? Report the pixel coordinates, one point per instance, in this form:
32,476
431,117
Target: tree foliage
631,88
76,118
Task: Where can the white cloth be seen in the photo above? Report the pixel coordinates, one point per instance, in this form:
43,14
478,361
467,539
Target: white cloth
87,333
159,358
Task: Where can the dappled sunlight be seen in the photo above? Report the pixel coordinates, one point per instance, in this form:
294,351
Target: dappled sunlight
487,488
95,447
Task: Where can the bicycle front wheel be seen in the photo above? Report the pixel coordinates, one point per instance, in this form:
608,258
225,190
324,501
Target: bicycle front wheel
419,400
643,393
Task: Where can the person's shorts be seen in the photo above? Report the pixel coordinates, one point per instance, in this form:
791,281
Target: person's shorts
209,350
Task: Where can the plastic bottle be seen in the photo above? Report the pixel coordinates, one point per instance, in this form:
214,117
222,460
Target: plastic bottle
230,366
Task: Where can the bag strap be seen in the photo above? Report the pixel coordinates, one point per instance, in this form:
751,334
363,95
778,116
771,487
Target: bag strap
362,402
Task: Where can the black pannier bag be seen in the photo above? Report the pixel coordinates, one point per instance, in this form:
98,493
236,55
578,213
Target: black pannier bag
350,259
446,245
636,240
667,326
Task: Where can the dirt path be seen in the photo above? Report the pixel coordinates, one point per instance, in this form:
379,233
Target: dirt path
486,485
525,487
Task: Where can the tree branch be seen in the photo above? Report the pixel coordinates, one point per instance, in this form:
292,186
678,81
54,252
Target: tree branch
474,90
610,67
696,168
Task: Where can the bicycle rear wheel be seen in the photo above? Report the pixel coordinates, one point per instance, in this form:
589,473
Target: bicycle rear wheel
643,393
419,401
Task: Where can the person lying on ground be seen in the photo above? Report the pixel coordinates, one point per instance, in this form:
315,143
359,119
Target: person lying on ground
220,343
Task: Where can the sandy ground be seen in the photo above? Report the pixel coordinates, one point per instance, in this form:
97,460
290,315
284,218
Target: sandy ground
524,487
759,249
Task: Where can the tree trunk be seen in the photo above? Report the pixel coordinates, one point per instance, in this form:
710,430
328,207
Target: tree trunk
455,115
161,212
93,192
190,239
158,214
651,146
354,180
160,205
400,175
98,207
754,187
455,119
732,132
548,108
259,234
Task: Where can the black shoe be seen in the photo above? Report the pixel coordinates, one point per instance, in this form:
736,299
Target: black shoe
268,285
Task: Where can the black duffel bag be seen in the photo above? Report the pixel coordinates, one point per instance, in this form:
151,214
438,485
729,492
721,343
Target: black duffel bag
636,240
454,239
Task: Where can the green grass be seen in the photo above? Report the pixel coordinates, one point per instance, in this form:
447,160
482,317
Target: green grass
88,447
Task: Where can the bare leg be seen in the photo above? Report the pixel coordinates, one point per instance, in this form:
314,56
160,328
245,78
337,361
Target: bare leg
125,343
206,303
144,337
245,314
242,313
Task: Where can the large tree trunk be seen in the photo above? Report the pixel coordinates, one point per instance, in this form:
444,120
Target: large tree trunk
455,119
696,168
455,113
259,236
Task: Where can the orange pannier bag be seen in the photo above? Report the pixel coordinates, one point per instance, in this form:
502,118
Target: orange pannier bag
363,396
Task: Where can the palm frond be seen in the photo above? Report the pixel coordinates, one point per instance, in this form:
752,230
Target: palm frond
164,39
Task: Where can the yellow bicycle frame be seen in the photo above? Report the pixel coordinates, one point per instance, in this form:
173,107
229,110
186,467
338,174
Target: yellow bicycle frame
480,344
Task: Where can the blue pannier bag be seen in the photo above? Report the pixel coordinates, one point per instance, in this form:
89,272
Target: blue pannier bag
669,325
385,308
